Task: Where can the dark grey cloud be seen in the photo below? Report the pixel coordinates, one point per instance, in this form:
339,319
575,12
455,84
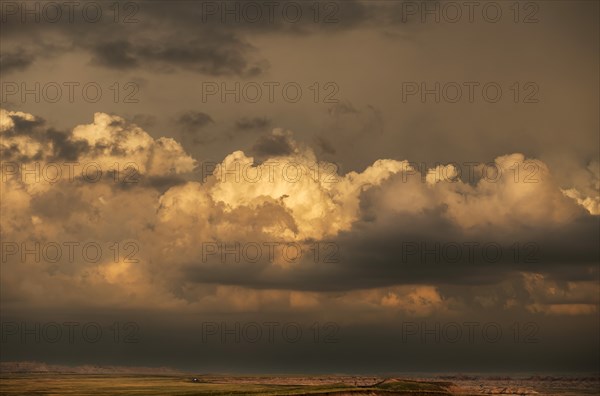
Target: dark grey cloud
384,249
202,42
145,121
116,55
192,121
272,146
287,17
252,124
140,45
62,147
15,61
24,126
369,257
223,55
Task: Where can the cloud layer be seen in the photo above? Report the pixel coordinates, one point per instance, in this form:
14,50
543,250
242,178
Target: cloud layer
390,235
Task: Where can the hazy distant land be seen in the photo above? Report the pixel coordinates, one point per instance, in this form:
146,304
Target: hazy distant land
32,378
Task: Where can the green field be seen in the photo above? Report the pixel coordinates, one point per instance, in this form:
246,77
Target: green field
83,384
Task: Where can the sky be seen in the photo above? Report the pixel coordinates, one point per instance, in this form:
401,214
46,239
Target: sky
301,187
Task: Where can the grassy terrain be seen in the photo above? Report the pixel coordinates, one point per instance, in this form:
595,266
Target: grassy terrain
81,384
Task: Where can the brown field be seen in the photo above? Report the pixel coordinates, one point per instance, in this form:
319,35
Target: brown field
45,383
110,384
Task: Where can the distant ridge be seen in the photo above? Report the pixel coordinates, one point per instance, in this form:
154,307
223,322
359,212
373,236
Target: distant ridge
40,367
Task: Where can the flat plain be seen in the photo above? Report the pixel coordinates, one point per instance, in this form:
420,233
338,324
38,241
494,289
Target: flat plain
51,384
83,384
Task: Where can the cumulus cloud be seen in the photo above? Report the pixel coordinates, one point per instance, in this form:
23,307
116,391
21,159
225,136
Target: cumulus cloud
505,197
288,196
